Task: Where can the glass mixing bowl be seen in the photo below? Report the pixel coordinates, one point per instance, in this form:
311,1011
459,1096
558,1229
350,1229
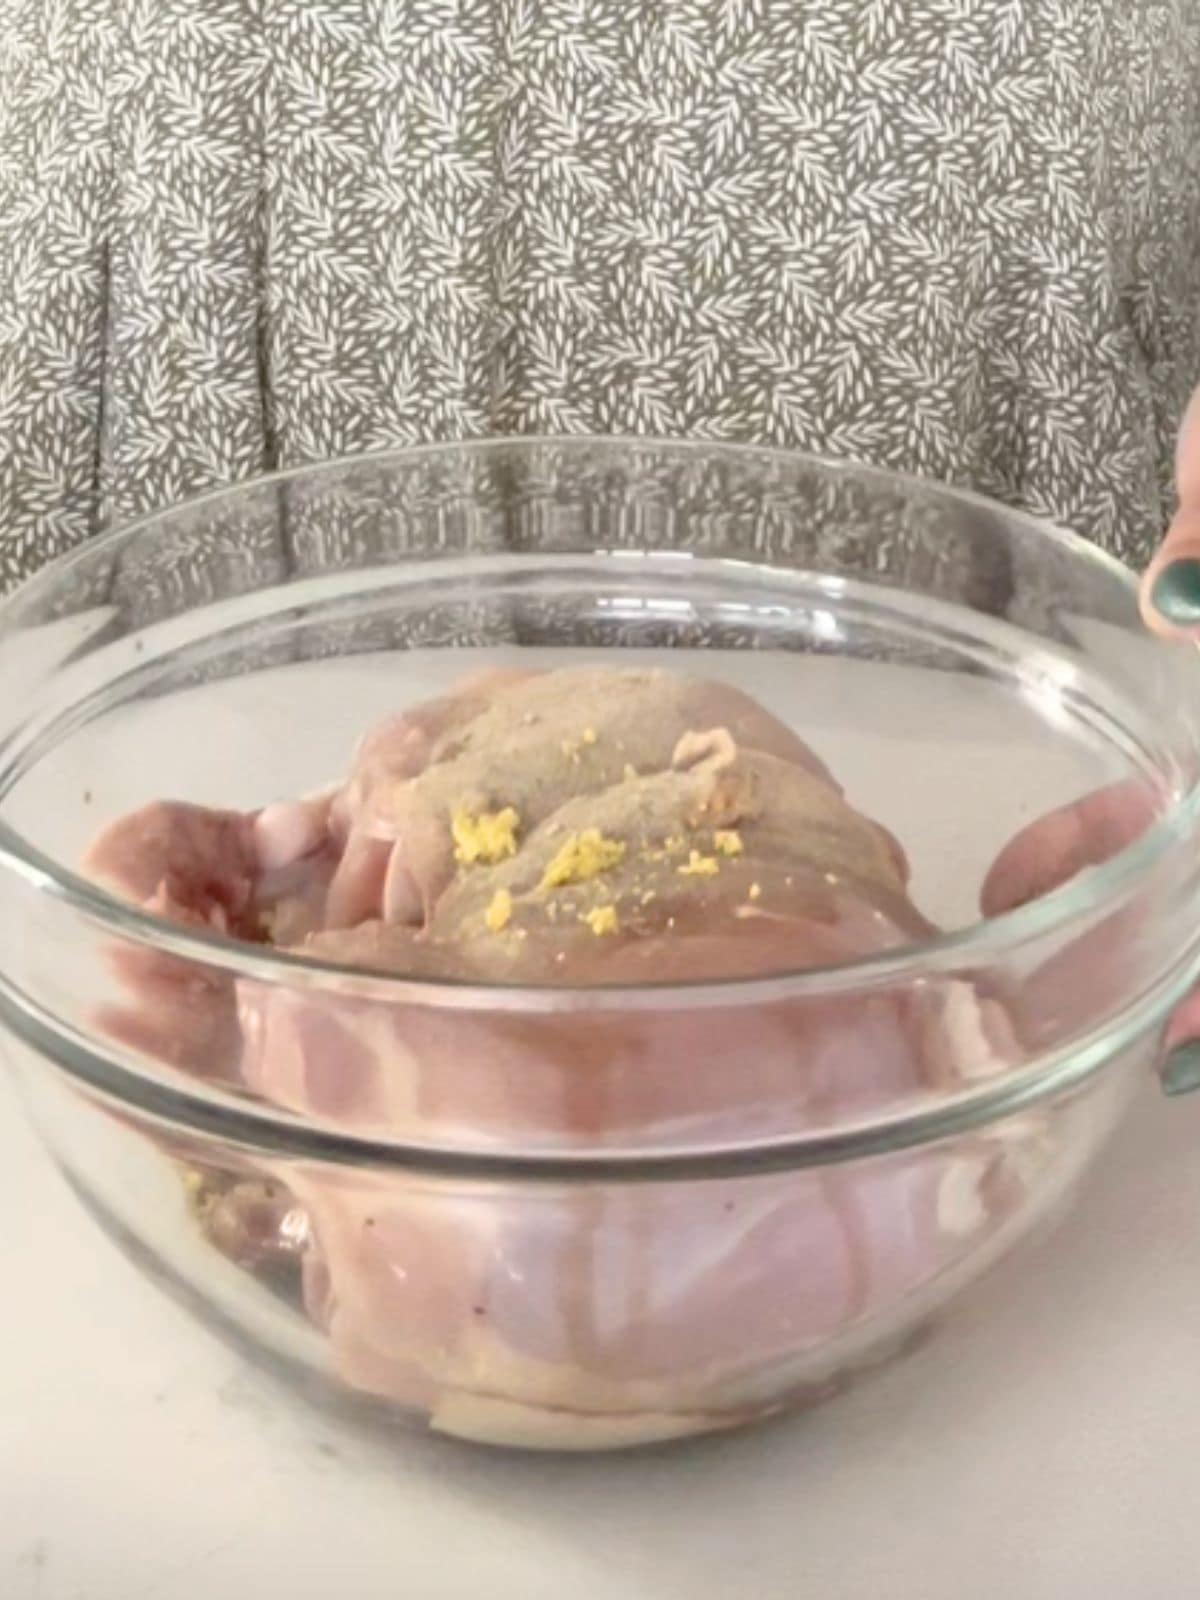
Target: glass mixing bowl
752,1210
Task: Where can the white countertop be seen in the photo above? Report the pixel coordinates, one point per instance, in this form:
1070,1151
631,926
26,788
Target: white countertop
1046,1446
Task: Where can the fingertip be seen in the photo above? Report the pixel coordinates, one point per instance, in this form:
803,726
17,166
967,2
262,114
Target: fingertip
1169,595
1180,1072
1037,859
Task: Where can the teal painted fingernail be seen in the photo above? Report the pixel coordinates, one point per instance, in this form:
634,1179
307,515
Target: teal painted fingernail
1181,1070
1176,593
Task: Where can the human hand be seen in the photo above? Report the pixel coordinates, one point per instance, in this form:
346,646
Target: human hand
1171,586
1092,830
1047,854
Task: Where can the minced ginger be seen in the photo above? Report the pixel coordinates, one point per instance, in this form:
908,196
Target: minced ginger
489,837
602,919
499,913
582,857
698,866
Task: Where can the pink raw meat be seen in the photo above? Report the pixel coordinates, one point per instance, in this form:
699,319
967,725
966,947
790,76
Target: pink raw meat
741,858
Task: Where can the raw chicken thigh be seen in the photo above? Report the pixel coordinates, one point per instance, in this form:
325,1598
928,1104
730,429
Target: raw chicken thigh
579,829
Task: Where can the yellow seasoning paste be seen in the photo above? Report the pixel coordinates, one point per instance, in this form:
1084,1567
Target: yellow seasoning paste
727,842
602,920
581,857
490,837
499,913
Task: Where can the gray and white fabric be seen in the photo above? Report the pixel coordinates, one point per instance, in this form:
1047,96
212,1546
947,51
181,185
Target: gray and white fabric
959,237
